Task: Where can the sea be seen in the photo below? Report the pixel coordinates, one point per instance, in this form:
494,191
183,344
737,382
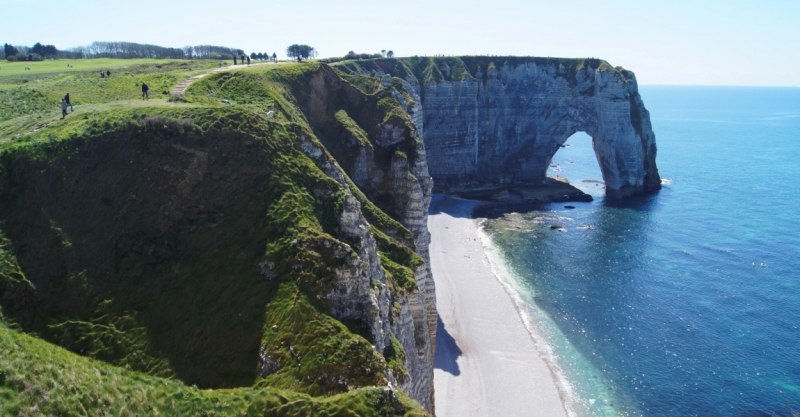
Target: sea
685,302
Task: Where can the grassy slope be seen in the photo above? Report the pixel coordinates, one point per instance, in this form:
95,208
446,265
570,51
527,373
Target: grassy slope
117,328
37,378
261,90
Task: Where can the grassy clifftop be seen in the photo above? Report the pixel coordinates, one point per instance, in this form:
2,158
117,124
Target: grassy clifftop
187,240
426,70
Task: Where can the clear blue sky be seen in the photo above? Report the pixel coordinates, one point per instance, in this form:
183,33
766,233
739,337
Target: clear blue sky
705,42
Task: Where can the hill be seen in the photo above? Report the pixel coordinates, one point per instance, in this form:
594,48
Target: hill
210,245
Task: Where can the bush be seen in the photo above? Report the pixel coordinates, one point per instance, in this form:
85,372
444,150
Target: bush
12,58
22,56
353,55
35,57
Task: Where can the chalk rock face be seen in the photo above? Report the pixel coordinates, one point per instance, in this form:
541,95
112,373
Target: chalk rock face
387,162
496,122
503,127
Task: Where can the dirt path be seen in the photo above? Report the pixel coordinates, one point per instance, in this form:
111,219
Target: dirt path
180,88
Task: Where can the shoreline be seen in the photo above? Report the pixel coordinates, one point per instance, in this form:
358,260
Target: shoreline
487,361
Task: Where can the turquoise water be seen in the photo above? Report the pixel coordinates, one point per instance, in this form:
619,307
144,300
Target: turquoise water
660,306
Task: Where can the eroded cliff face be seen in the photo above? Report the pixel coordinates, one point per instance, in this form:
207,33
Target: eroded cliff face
383,154
494,123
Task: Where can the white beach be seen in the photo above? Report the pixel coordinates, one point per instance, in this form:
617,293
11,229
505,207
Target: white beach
486,362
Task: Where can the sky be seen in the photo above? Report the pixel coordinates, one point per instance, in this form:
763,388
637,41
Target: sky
675,42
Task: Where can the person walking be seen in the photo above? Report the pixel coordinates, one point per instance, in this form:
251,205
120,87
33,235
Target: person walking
102,74
234,60
63,108
242,59
145,90
108,73
248,61
66,98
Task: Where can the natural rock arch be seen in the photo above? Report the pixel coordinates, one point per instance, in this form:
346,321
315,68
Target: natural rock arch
493,122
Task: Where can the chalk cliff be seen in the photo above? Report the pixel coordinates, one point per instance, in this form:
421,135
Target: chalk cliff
496,122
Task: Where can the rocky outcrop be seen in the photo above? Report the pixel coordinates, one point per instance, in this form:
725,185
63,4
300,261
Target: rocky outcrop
383,154
495,123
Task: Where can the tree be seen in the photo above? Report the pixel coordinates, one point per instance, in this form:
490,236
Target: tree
10,50
129,50
253,56
390,54
50,50
44,50
383,52
37,48
213,52
302,51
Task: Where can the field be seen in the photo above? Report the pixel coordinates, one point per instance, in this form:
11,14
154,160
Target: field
50,66
33,99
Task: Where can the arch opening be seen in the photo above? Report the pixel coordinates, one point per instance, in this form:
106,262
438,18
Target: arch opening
577,162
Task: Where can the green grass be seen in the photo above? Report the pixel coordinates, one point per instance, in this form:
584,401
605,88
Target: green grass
37,97
38,378
57,66
331,358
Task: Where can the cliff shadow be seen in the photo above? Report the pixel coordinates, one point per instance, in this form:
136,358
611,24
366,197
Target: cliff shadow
644,202
447,350
452,206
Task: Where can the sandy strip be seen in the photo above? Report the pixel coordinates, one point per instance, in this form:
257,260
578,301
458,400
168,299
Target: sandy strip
486,362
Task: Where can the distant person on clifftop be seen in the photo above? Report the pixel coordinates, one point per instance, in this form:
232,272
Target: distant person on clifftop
66,98
63,108
145,90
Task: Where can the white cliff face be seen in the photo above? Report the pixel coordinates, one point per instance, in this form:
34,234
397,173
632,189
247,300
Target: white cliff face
502,128
499,124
